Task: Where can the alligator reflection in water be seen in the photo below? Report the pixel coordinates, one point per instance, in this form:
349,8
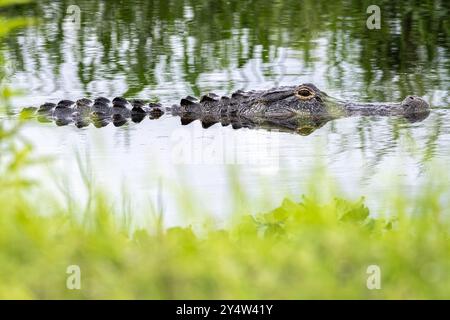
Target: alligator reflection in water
300,125
301,109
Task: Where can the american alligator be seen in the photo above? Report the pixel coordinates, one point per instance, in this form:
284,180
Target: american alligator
302,109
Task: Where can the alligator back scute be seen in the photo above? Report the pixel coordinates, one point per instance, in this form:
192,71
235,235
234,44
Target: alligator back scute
209,98
190,105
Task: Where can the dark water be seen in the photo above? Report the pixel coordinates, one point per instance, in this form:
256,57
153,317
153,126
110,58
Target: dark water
164,50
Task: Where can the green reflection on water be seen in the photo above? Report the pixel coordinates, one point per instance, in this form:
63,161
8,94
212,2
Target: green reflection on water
409,54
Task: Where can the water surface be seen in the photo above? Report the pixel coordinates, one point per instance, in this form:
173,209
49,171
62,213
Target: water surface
165,50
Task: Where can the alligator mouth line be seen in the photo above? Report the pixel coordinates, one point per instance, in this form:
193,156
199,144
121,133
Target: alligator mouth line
283,114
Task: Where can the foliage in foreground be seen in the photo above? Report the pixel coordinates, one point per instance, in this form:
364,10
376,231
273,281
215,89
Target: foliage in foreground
299,250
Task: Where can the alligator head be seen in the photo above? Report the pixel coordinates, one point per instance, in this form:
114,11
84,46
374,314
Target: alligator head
306,100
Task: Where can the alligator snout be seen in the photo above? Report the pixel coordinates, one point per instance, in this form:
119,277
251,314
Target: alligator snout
415,104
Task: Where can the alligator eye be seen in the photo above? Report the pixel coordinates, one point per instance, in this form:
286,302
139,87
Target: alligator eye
304,93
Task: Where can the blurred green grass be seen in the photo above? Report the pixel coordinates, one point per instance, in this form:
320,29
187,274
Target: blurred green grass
298,250
306,249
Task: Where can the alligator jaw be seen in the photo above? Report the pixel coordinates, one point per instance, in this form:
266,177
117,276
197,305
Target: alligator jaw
282,114
367,109
411,106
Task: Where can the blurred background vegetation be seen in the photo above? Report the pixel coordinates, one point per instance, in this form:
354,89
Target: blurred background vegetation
411,52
